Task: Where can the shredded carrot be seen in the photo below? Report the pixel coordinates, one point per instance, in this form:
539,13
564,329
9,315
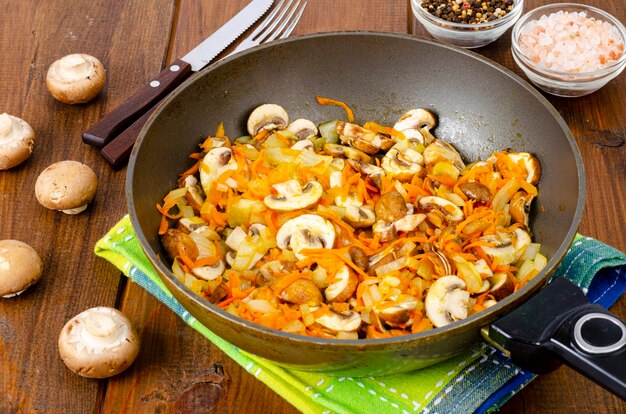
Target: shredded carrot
373,126
333,102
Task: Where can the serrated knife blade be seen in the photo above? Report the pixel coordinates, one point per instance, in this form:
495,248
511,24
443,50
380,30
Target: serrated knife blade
210,47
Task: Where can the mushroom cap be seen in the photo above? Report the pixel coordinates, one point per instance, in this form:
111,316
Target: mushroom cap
17,140
20,267
66,185
75,78
98,343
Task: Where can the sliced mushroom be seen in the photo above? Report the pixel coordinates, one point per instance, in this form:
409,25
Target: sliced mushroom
75,78
308,231
291,196
302,291
194,195
409,222
397,313
348,321
351,153
171,241
530,162
304,145
475,191
269,117
450,211
501,286
344,287
67,186
98,343
363,139
360,216
507,247
447,301
519,207
209,272
441,151
20,267
303,128
402,161
413,122
390,207
17,140
216,162
359,257
385,231
440,264
372,172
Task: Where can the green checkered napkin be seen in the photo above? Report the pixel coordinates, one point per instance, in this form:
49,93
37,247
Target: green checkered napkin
479,380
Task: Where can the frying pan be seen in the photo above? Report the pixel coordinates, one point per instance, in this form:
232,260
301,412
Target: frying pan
481,108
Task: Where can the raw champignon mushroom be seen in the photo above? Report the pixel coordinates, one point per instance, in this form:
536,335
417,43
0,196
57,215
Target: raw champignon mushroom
267,116
447,301
75,78
17,140
20,267
67,186
98,343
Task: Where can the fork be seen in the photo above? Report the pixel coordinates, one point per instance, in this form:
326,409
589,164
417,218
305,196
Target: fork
268,30
277,25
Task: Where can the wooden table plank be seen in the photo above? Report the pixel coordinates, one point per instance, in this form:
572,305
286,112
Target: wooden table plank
32,35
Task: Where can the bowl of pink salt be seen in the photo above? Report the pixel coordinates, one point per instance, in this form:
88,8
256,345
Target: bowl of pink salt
569,49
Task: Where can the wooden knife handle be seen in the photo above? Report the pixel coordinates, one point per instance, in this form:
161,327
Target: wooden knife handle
118,119
117,152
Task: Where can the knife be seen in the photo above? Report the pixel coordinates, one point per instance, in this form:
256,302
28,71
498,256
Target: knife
143,100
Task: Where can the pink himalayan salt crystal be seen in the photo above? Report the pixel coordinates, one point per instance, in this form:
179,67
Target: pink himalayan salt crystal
571,42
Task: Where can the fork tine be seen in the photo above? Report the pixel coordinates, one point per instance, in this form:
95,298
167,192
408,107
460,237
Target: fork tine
294,22
284,23
277,20
267,20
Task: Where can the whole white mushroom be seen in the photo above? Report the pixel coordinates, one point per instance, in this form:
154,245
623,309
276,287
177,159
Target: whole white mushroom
17,140
98,343
67,186
75,78
20,267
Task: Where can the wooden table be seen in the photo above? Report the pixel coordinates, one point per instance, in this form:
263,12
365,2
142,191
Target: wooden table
135,39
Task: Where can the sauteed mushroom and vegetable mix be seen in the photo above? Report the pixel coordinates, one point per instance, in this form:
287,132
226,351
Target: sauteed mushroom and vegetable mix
350,231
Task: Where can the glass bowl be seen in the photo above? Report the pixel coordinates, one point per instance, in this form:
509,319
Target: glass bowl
466,35
562,83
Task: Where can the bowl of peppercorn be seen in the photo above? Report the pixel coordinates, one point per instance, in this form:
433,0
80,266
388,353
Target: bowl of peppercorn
467,23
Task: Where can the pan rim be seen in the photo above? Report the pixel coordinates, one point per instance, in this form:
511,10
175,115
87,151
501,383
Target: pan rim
487,315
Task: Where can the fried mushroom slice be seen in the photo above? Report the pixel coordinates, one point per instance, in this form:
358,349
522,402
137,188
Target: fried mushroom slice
416,124
303,129
363,139
291,196
441,151
390,207
308,231
447,301
267,116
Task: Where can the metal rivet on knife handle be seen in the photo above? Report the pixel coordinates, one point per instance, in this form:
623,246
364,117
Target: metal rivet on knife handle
118,119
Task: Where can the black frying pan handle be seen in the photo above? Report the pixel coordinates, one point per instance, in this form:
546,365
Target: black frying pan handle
559,324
